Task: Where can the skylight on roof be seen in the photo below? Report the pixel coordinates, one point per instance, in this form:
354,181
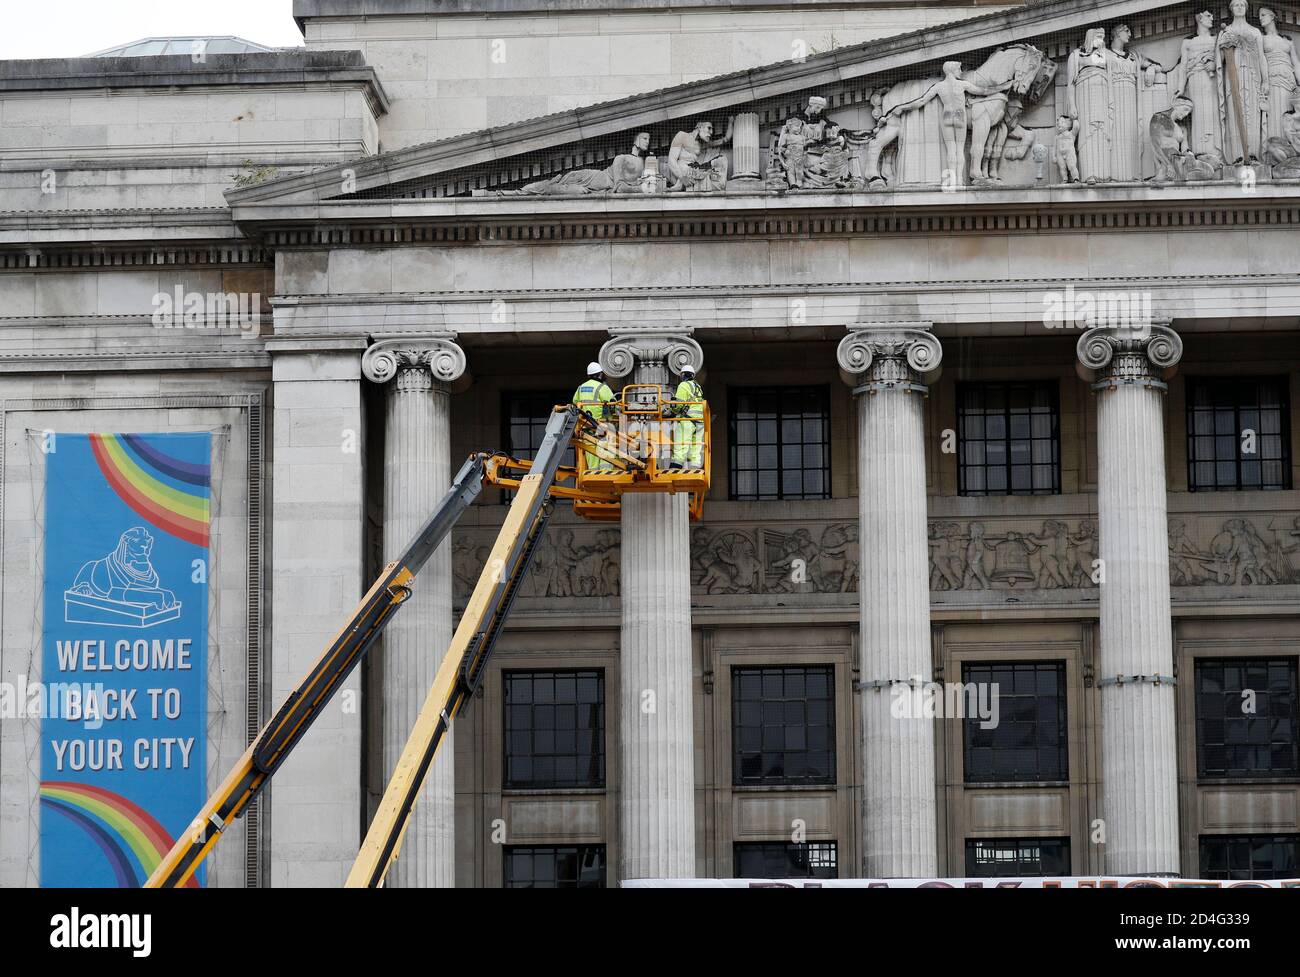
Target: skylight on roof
150,46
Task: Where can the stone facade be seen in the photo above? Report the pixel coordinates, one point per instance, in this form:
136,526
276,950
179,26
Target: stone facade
884,218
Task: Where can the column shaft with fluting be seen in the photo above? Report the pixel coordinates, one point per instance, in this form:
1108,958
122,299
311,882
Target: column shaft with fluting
744,146
1135,660
417,472
899,823
656,691
657,810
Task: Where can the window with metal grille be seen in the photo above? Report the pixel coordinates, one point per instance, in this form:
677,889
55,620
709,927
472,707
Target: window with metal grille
783,725
562,867
1246,718
786,860
780,443
994,858
524,416
1008,439
1238,436
554,729
1257,857
1029,742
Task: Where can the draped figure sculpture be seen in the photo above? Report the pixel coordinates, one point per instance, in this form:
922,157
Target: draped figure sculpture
1088,102
1243,66
1125,68
1284,151
1196,78
1283,70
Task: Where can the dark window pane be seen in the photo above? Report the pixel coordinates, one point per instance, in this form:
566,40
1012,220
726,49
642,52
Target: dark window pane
1029,743
783,860
780,443
783,725
554,729
1250,857
565,867
1246,718
1237,434
1009,441
995,858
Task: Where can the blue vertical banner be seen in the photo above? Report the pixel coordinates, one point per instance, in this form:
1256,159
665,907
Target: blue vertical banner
124,657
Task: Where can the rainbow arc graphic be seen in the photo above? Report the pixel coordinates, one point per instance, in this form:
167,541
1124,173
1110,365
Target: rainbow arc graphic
168,492
129,836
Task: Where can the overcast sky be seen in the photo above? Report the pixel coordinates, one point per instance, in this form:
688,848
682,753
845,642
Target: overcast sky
71,28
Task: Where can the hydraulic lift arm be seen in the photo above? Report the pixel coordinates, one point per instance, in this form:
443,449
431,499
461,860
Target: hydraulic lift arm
462,668
305,703
464,664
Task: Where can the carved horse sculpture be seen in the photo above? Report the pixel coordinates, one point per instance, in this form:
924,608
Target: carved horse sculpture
1018,69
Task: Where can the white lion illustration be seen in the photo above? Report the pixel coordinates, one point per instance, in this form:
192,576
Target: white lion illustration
126,575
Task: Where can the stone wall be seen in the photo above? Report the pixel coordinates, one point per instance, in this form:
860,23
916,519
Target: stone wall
168,131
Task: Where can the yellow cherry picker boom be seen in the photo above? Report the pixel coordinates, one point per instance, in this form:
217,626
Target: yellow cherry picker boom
610,462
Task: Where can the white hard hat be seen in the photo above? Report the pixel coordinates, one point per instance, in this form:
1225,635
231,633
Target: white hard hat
688,371
593,369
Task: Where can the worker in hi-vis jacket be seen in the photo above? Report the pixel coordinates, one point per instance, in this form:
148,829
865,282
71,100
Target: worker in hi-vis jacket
595,399
688,442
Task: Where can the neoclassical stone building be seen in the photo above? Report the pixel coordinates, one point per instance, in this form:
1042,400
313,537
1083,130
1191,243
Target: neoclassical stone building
996,311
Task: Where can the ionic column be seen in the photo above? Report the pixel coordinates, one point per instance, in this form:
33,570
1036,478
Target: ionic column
888,363
417,471
1139,777
657,803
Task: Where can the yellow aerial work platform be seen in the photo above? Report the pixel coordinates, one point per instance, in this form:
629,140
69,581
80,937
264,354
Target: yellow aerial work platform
632,450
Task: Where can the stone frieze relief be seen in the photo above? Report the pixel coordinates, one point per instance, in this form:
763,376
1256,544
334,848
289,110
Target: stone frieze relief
821,557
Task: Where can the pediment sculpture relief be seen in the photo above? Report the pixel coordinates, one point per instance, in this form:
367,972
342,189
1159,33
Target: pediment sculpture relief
1227,103
927,123
623,175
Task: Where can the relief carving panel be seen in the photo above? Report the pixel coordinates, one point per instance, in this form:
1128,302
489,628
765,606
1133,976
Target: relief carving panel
818,558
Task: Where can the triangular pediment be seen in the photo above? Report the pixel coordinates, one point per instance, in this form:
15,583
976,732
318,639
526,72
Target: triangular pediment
859,84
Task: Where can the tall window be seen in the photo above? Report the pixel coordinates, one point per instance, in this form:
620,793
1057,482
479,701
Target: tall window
1237,434
554,729
783,725
563,867
992,858
1250,856
1026,742
787,860
780,443
1247,719
1009,440
524,418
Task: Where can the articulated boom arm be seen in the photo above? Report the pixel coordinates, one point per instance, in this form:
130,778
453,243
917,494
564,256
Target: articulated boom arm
255,768
461,671
463,666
